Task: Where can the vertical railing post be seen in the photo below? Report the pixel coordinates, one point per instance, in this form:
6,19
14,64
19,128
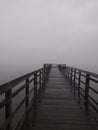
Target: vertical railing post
79,86
35,87
67,72
64,71
74,82
8,108
40,79
44,73
71,75
71,78
87,92
27,92
47,72
40,83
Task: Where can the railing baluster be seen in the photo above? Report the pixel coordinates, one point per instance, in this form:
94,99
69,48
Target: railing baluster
67,73
71,74
40,79
35,87
8,108
40,84
71,78
42,75
27,92
64,71
74,82
87,92
79,87
44,72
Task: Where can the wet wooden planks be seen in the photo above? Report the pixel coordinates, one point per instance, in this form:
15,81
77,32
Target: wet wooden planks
58,109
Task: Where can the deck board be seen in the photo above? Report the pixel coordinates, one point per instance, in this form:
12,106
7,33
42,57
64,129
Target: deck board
58,109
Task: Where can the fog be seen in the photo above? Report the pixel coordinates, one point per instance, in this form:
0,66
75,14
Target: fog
33,32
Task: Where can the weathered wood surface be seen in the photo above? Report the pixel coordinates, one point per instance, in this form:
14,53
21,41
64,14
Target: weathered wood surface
58,109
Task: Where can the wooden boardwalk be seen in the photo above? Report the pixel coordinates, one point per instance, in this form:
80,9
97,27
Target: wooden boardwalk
58,109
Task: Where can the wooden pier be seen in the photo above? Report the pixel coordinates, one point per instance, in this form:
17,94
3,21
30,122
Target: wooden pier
57,102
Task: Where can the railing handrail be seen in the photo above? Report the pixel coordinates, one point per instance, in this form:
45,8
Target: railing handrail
83,71
10,84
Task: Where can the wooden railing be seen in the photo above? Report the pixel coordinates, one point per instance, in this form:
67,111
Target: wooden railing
38,79
84,86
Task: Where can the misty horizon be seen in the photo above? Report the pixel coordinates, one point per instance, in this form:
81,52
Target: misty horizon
36,32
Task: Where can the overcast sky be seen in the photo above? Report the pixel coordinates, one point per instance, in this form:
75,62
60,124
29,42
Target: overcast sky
33,32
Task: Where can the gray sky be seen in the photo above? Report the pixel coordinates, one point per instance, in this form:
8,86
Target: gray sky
33,32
